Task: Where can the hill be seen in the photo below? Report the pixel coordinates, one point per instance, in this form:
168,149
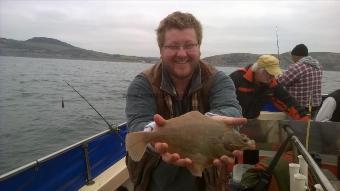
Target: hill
328,60
42,47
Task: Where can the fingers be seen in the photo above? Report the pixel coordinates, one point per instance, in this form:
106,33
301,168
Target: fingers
175,159
217,162
251,144
224,160
237,121
171,158
161,148
230,120
237,153
227,160
159,120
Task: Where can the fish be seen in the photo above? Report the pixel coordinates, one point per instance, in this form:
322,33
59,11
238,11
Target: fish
192,135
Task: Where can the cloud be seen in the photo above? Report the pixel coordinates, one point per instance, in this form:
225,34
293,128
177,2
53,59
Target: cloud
128,27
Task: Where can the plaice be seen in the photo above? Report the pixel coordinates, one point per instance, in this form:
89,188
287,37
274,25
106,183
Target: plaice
324,136
191,135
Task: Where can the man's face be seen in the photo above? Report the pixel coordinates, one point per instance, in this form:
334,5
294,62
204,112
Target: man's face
180,53
263,77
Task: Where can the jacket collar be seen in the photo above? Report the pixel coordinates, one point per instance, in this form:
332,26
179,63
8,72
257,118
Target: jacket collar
248,73
195,84
249,76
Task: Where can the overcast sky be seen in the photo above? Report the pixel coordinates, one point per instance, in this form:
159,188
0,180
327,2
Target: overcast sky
128,27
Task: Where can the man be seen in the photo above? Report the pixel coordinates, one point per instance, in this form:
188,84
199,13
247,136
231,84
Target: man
303,79
330,109
180,83
256,84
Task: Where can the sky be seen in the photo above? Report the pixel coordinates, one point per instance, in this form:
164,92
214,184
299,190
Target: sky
128,27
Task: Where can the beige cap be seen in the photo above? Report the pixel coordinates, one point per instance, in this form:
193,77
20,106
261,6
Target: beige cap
270,64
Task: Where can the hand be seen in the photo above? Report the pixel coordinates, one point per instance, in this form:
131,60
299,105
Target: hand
161,148
171,158
230,160
175,158
227,160
234,121
230,120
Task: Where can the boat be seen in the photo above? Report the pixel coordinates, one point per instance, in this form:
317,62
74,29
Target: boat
76,166
98,162
321,152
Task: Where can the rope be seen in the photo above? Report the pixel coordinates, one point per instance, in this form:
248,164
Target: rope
309,120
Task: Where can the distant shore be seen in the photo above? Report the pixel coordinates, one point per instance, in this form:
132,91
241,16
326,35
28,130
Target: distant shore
42,47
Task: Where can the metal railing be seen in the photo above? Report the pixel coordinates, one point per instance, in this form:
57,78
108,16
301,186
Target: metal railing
317,174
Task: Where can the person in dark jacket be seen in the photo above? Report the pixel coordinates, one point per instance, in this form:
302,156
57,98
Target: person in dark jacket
180,83
330,108
256,84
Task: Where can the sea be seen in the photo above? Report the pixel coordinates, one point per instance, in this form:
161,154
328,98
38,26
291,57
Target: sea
33,122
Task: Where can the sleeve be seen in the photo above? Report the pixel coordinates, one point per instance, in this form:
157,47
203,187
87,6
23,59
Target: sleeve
290,75
285,102
326,111
140,109
140,104
222,97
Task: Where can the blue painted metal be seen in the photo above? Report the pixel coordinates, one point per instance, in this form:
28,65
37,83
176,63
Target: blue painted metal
66,169
269,106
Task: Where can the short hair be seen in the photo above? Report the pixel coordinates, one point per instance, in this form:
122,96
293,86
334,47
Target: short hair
300,50
178,20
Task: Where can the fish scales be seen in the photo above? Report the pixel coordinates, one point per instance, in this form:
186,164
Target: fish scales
191,135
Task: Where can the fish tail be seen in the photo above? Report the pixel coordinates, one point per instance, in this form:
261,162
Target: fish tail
136,143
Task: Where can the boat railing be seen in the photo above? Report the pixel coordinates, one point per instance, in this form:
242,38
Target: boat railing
73,167
269,132
317,173
78,163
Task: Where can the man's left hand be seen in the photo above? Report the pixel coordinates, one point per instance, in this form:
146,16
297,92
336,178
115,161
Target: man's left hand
233,121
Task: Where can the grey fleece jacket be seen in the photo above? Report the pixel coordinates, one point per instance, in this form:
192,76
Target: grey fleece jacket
141,107
141,104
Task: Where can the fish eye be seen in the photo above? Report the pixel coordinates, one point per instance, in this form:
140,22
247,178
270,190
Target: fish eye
244,138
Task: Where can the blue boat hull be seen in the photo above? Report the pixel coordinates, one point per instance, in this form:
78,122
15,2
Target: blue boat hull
67,169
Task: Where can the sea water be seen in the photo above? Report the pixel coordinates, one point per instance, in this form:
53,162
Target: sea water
32,120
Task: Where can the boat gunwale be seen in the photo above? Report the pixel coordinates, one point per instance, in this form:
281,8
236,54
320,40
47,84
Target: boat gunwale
53,155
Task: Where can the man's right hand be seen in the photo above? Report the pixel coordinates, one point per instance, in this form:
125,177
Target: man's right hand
171,158
161,148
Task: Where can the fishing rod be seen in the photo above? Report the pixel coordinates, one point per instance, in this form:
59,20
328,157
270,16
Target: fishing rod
110,125
277,45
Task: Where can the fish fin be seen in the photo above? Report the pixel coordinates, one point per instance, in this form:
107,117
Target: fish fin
136,143
196,170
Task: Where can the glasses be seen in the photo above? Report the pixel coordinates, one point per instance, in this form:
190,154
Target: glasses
186,47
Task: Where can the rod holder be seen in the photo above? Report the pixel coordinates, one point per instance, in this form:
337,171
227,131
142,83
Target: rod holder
293,169
89,177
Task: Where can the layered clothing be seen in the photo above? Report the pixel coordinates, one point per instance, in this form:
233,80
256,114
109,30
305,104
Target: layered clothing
253,96
303,81
152,92
330,109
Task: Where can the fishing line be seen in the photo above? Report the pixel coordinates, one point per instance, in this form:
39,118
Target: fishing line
116,129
